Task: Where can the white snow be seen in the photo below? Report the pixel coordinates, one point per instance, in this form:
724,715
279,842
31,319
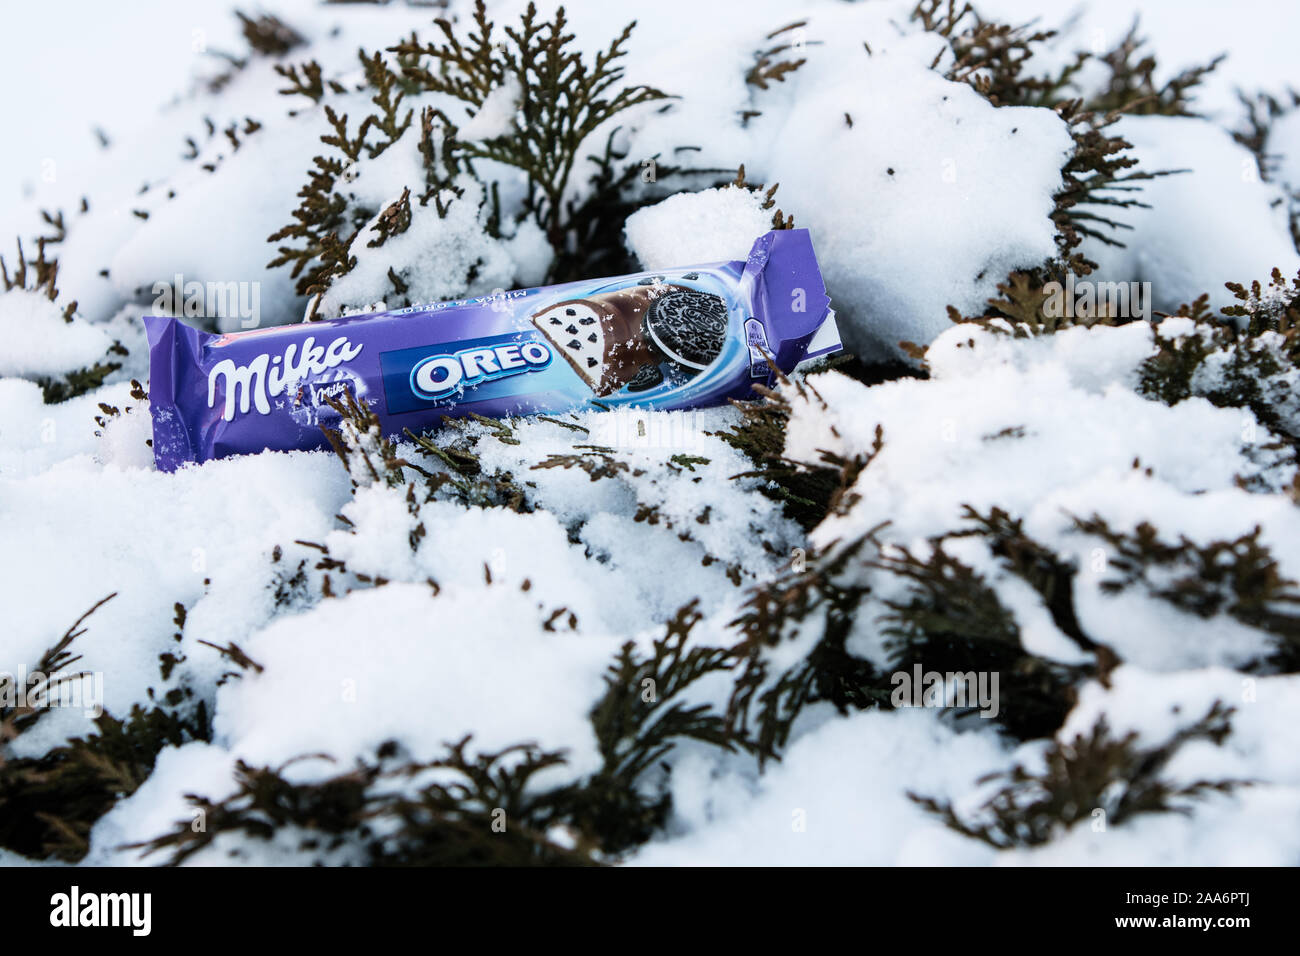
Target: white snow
450,620
497,114
443,252
1283,148
336,670
828,804
39,343
953,181
239,205
1218,222
713,225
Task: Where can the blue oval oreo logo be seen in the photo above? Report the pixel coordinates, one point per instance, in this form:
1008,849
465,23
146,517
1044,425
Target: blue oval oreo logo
439,376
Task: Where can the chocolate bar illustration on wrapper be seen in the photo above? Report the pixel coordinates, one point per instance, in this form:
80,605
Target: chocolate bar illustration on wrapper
601,337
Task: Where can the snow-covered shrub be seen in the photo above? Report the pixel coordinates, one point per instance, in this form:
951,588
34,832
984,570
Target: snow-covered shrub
650,637
51,346
535,104
1093,772
1233,363
54,796
1002,573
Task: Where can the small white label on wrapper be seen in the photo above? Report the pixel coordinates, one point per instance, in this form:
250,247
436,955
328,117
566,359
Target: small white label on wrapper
824,341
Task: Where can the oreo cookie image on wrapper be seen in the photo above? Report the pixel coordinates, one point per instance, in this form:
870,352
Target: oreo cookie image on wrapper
671,339
688,326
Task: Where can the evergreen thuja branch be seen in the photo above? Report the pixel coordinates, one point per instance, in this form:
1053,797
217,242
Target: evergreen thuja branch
638,721
950,618
639,715
40,276
1132,88
50,803
388,99
487,782
483,809
926,609
825,597
1238,577
1093,774
992,57
490,807
487,807
326,222
767,67
20,716
43,272
563,98
263,802
1261,111
1244,357
458,472
1271,307
269,35
393,221
941,16
1098,176
597,461
321,213
309,83
1024,307
594,220
1051,575
360,443
945,600
349,146
1100,180
809,490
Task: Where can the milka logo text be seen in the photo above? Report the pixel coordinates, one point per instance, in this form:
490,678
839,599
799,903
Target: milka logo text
266,376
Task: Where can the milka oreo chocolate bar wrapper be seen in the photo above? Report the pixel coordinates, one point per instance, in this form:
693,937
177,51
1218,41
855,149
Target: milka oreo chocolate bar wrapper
679,338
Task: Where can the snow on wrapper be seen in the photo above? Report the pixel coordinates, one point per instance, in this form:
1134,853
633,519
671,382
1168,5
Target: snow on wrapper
682,338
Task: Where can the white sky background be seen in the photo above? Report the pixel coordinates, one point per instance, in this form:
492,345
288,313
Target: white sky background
68,66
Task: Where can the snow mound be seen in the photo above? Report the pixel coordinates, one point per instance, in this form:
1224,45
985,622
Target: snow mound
1217,221
40,343
714,225
934,212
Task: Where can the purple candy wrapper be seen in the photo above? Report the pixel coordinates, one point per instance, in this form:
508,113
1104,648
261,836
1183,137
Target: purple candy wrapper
679,338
